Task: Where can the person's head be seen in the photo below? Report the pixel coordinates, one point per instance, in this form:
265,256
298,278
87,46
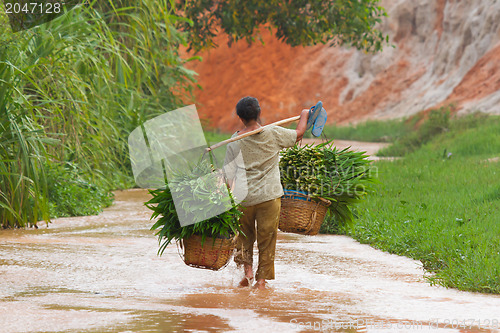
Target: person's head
248,109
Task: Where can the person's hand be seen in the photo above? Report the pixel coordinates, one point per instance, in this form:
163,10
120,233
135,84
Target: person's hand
301,127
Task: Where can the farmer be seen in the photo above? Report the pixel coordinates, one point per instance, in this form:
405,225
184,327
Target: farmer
252,170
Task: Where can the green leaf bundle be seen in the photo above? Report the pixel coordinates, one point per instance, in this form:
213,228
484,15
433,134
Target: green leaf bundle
344,177
223,225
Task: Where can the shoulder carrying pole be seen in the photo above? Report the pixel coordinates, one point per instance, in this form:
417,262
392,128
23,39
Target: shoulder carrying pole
278,123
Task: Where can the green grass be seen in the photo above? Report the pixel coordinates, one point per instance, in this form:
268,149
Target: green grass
472,136
440,121
442,209
370,131
440,204
437,122
213,137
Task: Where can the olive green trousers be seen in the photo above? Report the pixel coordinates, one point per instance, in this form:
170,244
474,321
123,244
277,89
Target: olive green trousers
261,222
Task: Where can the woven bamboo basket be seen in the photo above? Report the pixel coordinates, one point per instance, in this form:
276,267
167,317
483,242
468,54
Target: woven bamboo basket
210,255
301,214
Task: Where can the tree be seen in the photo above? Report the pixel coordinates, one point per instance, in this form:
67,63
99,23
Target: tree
296,22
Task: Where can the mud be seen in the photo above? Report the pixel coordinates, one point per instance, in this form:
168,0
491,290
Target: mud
102,274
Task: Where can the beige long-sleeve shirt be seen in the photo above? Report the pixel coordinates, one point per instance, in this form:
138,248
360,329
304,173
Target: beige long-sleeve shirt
252,163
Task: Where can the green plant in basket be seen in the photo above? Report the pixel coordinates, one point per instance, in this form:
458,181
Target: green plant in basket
342,176
197,194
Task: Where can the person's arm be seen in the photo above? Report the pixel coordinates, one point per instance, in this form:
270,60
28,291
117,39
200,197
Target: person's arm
229,167
301,127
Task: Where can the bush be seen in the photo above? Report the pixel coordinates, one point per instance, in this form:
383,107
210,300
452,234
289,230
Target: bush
70,194
437,123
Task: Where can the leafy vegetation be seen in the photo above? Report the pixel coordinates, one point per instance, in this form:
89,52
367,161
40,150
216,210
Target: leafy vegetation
69,194
342,176
440,204
196,196
30,13
70,92
438,121
371,130
341,22
23,199
72,89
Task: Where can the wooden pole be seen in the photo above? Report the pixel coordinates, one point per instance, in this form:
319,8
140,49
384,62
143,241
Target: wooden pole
278,123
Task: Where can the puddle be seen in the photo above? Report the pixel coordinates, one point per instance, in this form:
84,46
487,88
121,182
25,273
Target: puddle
102,274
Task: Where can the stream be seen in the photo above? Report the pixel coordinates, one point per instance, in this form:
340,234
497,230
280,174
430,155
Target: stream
102,274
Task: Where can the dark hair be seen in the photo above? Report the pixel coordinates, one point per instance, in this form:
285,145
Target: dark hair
248,109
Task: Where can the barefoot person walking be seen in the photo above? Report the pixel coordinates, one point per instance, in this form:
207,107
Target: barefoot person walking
252,164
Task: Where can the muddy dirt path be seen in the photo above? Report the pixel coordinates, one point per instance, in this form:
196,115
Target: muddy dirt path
102,274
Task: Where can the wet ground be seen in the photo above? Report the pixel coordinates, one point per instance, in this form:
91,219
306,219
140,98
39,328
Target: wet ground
102,274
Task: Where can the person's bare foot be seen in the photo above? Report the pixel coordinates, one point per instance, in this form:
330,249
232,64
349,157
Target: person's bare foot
260,284
246,281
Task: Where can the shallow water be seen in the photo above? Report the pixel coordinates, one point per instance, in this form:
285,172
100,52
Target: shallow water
102,274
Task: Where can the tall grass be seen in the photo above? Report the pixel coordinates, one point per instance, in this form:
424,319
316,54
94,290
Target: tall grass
23,189
102,96
85,81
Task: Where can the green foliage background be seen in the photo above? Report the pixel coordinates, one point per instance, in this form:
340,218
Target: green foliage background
72,89
298,22
70,92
